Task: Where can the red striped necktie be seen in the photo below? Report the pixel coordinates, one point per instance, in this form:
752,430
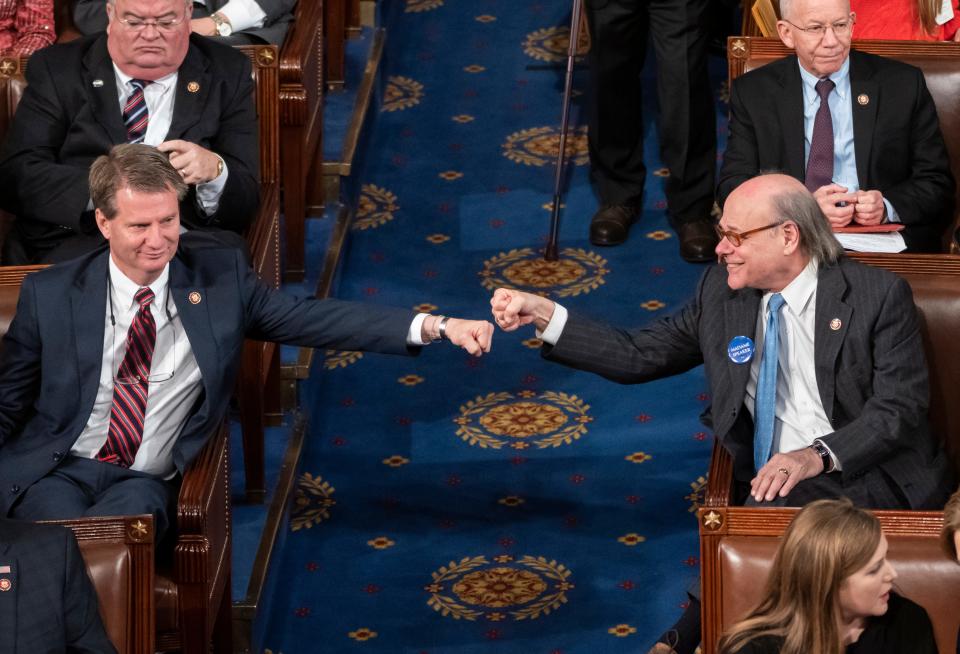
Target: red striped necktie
130,387
135,114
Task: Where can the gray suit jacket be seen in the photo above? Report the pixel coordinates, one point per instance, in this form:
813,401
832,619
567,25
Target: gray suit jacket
50,604
871,373
90,16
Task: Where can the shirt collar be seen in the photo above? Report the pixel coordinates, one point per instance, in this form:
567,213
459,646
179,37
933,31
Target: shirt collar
123,288
839,79
798,292
123,79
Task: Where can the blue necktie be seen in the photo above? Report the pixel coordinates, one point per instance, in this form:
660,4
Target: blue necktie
765,404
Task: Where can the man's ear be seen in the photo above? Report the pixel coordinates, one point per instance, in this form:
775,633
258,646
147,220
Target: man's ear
103,223
785,33
791,237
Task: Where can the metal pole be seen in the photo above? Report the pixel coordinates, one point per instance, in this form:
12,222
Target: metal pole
551,252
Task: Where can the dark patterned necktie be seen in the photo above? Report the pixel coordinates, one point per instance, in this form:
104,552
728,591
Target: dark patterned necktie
130,398
820,161
135,114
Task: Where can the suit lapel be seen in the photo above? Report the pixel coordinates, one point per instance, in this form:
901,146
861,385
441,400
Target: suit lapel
188,106
195,317
88,301
828,333
100,85
790,111
8,598
862,85
740,319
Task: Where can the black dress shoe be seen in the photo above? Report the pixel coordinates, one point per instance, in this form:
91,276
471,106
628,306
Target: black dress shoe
611,224
697,241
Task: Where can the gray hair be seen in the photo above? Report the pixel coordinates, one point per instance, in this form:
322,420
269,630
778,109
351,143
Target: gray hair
816,237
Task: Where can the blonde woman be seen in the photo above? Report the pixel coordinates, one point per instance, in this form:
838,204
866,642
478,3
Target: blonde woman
906,20
830,591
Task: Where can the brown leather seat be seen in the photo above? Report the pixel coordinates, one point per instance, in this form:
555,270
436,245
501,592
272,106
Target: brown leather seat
735,535
939,61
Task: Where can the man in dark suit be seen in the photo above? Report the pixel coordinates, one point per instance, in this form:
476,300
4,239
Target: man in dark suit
237,22
105,401
882,157
619,30
145,80
839,409
47,603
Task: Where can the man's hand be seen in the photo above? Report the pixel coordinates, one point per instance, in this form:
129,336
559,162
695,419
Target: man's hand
513,309
869,209
194,163
203,26
772,480
831,195
474,336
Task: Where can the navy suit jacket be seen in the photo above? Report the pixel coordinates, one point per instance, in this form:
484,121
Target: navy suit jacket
52,352
871,372
51,605
899,148
70,115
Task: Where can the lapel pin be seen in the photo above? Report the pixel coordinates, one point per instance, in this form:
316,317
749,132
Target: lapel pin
97,83
194,297
835,324
5,584
193,87
863,99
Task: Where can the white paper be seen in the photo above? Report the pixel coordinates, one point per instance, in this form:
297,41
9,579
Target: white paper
885,242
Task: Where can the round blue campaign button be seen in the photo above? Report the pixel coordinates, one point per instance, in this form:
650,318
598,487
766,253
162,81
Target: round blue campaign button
740,349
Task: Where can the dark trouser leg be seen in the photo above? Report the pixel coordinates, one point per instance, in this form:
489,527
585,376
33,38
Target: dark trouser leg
618,31
81,487
688,142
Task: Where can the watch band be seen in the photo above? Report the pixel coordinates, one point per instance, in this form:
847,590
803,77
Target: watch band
443,328
824,453
224,28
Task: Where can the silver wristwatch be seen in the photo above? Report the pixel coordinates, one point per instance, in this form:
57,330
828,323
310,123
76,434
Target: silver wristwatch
224,28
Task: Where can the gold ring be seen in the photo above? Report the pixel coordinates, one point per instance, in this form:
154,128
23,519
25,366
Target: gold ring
784,471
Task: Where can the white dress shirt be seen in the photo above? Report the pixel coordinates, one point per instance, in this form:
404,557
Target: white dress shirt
168,402
242,14
160,96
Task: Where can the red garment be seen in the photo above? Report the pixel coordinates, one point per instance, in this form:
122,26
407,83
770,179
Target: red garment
897,20
25,25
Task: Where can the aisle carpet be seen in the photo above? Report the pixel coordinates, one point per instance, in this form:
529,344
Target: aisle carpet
503,504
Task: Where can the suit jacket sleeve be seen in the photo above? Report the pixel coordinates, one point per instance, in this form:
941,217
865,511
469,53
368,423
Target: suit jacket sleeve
741,158
20,364
666,347
237,142
90,16
926,194
889,413
323,323
56,193
84,629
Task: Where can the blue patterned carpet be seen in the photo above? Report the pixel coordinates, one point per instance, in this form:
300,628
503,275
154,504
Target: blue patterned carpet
454,505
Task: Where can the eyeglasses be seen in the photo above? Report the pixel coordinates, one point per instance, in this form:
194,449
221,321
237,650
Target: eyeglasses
153,378
736,238
840,28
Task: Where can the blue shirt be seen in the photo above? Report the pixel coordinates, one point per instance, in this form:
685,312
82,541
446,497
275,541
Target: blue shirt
841,113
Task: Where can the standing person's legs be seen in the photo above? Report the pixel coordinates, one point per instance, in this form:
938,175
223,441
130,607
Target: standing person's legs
688,143
618,34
